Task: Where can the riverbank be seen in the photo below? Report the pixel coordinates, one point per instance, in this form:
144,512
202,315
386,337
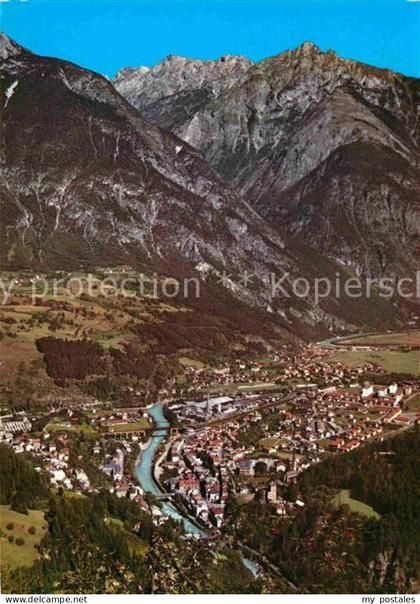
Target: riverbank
145,471
149,483
156,473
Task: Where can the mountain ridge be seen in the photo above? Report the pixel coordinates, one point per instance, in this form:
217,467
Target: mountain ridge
87,181
9,47
271,132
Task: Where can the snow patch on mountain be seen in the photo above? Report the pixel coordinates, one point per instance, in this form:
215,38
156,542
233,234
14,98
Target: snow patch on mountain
10,91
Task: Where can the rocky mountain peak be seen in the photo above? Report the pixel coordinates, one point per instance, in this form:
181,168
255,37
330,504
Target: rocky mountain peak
88,181
309,48
175,59
233,59
8,47
130,72
184,72
179,81
296,134
111,188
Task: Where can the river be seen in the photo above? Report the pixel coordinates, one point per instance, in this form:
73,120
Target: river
144,469
144,474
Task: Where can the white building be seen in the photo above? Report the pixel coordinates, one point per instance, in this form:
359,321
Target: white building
367,390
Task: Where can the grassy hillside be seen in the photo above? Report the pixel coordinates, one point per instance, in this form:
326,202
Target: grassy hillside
392,361
343,498
18,527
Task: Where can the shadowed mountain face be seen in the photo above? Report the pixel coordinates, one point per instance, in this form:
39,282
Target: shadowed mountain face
327,149
87,181
84,172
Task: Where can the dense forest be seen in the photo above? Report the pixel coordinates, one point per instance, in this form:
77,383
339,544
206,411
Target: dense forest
102,544
386,475
21,485
90,365
71,359
332,549
99,543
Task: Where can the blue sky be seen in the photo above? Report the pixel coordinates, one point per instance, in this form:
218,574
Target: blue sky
105,35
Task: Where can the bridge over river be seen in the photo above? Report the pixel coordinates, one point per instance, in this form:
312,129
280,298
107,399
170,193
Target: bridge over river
156,430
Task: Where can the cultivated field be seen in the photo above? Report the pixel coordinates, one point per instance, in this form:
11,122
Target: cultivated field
410,338
126,427
390,360
188,362
67,427
105,319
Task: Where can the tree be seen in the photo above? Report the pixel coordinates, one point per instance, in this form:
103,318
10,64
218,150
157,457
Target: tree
20,484
18,502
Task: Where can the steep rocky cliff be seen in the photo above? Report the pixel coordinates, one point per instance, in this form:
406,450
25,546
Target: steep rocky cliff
326,148
87,181
83,173
174,90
